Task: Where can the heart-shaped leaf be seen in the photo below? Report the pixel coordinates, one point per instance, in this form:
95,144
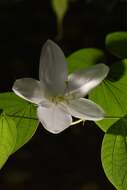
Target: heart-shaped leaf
8,136
114,154
111,95
24,115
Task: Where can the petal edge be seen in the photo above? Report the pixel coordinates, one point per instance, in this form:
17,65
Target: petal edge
54,119
85,109
82,81
28,89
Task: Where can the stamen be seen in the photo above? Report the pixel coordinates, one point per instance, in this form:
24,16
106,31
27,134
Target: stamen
76,122
57,99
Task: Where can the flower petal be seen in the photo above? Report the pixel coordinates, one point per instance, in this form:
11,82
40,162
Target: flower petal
53,69
85,109
55,119
81,82
28,89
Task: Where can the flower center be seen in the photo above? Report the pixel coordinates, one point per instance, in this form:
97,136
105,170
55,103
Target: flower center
62,98
57,99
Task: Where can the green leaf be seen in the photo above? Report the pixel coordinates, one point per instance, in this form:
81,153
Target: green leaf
24,115
84,58
111,95
60,7
114,154
116,43
8,135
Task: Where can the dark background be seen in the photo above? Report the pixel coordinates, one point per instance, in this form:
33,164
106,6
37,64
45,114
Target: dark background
70,160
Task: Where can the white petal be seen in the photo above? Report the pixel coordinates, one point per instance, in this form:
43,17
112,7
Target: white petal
53,69
85,109
81,82
55,119
28,89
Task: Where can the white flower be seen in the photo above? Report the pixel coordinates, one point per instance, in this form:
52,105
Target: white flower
59,96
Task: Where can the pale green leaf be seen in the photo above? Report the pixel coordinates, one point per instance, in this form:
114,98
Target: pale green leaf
8,135
114,154
111,95
24,115
84,58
